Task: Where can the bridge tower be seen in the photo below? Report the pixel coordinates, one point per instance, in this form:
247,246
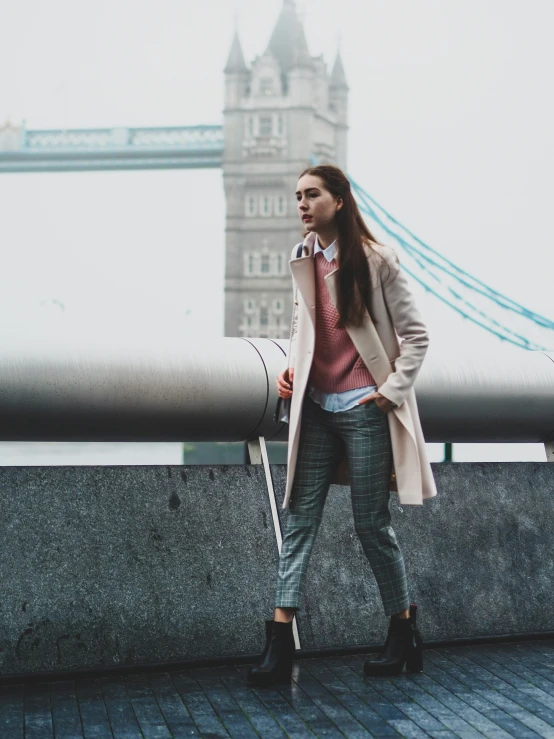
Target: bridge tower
281,112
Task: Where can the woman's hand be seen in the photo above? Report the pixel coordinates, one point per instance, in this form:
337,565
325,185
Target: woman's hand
284,383
384,403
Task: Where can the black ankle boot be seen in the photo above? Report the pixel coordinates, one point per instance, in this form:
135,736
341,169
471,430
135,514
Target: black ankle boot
276,664
404,645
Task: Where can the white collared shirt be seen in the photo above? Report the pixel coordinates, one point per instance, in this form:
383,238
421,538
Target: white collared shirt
329,253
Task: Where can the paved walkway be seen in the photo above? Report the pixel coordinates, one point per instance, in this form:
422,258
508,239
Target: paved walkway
488,691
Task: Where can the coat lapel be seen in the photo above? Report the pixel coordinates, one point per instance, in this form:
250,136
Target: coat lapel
303,273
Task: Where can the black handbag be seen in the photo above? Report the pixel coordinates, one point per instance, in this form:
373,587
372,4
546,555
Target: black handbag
283,404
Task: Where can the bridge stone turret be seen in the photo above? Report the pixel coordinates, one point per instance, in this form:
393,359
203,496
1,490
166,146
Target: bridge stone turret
10,136
281,112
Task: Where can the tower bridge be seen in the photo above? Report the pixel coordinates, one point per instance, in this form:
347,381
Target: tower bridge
280,111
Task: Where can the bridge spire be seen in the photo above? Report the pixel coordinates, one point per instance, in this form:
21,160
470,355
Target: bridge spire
288,41
338,75
235,61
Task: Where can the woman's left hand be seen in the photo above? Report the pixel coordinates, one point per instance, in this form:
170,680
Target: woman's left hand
384,403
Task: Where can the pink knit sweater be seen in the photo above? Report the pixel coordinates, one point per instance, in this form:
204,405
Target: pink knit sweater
336,366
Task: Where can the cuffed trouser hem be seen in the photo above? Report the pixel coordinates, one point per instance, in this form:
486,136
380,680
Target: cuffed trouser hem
396,607
289,605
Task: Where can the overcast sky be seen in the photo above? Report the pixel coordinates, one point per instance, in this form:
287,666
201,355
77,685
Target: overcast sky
451,124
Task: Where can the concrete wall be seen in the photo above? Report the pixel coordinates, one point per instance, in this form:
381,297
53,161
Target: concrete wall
105,566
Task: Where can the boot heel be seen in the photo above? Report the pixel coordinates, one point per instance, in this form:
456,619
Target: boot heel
414,656
284,674
414,660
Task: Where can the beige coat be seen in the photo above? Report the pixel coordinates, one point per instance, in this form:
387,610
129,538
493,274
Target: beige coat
394,365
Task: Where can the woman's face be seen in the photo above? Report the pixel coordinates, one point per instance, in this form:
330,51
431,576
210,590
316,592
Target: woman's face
316,206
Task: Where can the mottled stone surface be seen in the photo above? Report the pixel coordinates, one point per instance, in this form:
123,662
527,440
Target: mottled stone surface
132,565
479,558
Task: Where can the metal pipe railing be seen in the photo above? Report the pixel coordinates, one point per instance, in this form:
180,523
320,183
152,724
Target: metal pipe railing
224,390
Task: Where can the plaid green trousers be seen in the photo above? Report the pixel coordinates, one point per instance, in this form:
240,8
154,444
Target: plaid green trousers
364,431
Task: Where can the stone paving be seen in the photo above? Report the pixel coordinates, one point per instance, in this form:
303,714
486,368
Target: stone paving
503,690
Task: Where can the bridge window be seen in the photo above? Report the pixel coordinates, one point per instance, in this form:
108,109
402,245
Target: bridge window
280,205
265,205
266,125
266,86
264,264
264,316
251,206
261,320
250,126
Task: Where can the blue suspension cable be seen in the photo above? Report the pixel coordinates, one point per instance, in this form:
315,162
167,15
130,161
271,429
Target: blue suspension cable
453,270
418,256
526,343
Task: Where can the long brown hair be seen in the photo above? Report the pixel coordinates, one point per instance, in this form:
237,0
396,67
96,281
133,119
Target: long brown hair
353,278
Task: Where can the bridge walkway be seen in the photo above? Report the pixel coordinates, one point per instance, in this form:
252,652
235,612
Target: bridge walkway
496,691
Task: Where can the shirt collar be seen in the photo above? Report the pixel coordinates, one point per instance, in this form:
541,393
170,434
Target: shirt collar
329,253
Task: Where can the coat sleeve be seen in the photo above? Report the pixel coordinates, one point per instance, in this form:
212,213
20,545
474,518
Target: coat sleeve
408,324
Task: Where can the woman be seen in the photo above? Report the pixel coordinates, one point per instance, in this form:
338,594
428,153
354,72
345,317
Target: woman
352,404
